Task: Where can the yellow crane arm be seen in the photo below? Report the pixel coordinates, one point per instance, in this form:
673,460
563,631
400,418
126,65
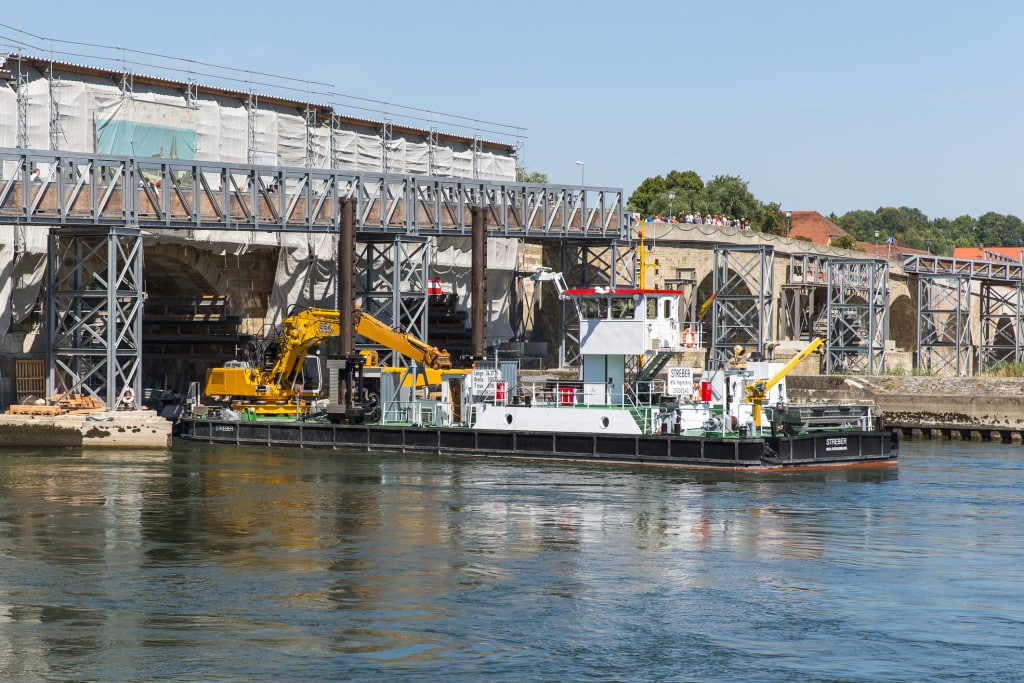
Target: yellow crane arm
793,362
401,342
758,391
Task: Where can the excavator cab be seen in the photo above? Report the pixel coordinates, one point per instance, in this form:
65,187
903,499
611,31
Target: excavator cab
310,379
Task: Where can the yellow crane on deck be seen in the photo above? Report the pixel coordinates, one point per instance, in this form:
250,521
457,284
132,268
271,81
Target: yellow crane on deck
278,390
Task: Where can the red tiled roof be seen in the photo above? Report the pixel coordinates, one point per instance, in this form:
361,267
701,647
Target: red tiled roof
815,227
988,253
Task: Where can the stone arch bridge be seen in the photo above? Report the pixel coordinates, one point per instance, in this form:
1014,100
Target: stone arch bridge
127,234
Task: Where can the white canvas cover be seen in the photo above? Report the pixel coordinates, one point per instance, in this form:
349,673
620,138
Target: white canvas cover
220,125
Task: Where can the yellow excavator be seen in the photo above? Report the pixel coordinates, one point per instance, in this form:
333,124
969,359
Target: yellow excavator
285,387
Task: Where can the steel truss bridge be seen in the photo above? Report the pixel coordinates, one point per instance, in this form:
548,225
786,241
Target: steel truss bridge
944,292
95,208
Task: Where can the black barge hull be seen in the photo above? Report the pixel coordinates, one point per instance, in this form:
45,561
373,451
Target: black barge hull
818,449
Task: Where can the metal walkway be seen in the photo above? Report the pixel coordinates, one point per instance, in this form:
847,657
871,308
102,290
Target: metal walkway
83,189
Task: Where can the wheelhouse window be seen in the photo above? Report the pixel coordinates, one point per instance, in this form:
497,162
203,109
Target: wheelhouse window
622,308
594,309
652,308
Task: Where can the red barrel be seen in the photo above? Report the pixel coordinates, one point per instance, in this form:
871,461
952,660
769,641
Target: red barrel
500,391
705,392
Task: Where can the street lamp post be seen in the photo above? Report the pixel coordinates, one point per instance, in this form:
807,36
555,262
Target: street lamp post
671,198
580,164
876,243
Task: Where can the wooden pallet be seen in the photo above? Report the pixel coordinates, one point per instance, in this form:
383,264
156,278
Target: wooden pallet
33,410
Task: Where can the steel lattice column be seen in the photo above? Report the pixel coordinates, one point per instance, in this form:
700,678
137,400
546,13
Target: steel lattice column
391,281
94,314
1000,324
743,308
806,286
588,265
943,326
857,315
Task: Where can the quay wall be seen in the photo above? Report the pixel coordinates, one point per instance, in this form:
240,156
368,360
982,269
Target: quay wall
121,429
968,408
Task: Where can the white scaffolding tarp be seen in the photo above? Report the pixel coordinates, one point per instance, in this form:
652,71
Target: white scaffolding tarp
65,109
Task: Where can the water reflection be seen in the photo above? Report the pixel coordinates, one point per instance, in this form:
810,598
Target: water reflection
254,563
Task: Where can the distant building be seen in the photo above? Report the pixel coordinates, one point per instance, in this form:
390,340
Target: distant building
989,253
812,226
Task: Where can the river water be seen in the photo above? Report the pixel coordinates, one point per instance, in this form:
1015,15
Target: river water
221,563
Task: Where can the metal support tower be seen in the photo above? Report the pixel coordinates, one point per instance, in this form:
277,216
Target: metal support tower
311,125
803,294
1001,319
391,283
857,323
127,83
336,128
191,94
94,314
944,312
585,265
22,100
386,148
477,153
433,142
943,326
56,131
252,106
743,309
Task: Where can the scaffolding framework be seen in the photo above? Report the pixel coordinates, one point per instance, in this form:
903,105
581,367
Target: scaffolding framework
944,340
584,265
1001,320
1000,325
856,318
803,295
391,281
743,308
943,327
94,314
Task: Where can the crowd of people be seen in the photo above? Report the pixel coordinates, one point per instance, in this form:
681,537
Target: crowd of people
696,218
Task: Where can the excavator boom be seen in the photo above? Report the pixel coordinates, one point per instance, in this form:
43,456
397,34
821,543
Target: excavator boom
267,390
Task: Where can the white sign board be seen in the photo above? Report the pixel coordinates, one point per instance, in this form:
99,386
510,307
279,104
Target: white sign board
484,380
680,381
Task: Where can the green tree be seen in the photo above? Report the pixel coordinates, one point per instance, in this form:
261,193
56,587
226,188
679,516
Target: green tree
771,220
525,176
996,230
730,197
644,196
846,242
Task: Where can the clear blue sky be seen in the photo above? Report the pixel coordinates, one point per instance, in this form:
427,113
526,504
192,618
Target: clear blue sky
818,105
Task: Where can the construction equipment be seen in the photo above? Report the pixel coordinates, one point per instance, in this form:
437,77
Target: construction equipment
757,393
289,377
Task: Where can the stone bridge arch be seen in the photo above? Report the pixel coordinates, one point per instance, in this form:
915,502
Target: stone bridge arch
174,269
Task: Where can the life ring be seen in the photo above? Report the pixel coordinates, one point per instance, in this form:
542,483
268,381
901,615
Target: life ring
689,338
128,398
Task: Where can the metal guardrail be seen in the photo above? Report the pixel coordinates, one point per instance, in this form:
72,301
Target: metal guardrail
981,270
90,189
